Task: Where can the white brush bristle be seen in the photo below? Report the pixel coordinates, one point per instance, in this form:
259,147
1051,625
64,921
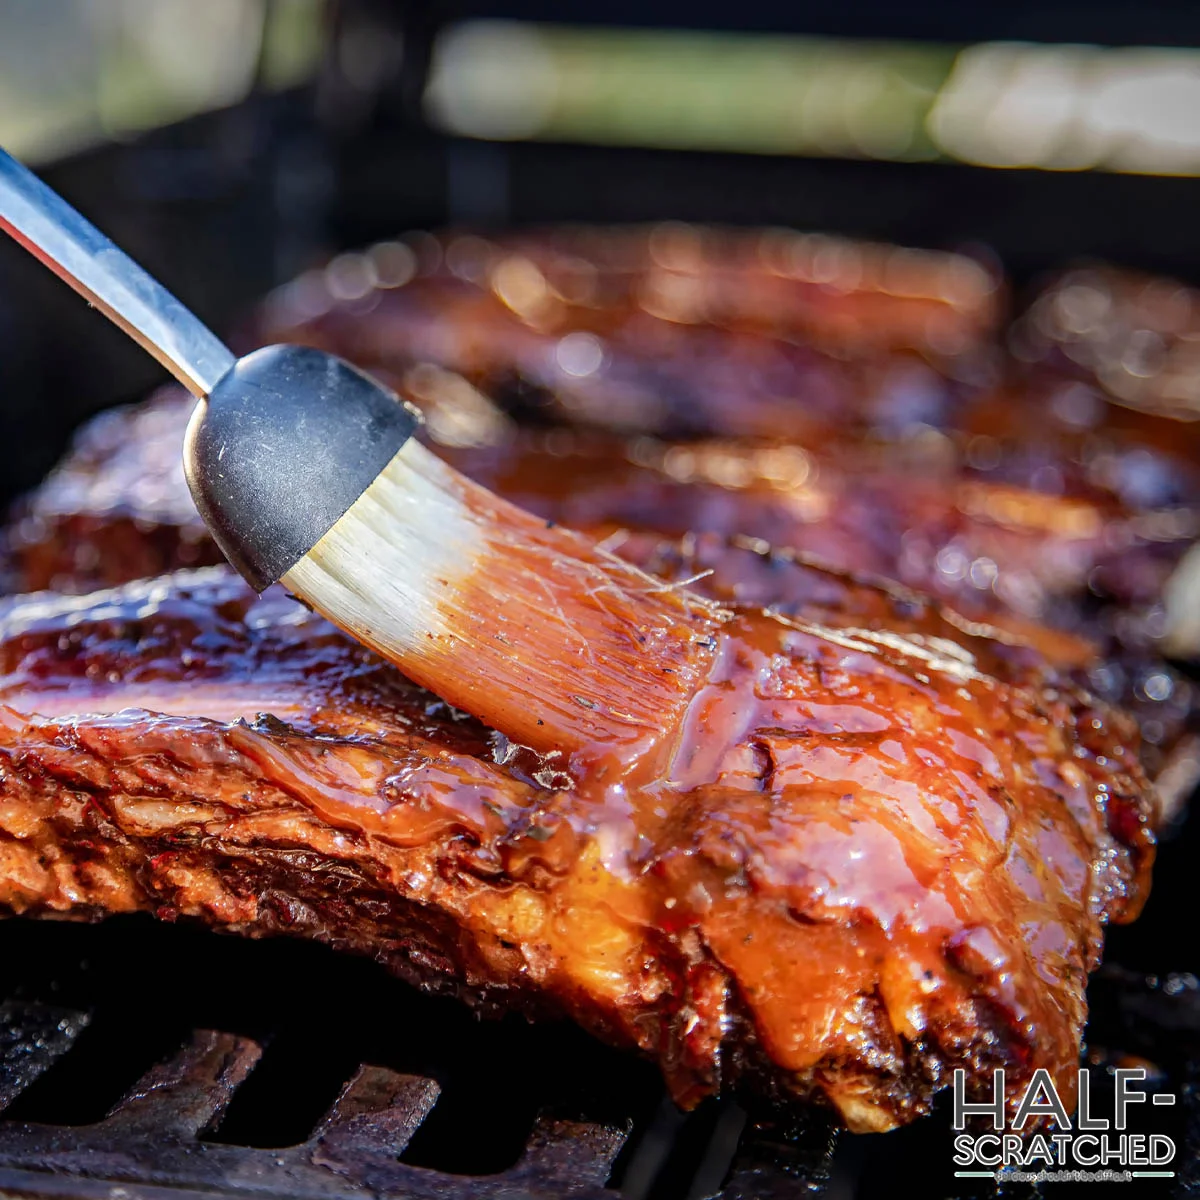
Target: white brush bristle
379,572
534,629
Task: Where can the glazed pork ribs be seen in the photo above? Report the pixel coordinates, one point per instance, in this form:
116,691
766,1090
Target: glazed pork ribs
886,846
888,835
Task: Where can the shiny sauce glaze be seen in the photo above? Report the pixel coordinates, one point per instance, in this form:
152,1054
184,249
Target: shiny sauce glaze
872,848
998,549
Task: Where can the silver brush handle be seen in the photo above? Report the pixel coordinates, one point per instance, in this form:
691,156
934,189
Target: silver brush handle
50,229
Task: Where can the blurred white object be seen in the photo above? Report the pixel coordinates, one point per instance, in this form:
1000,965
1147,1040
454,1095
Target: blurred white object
1181,598
1015,104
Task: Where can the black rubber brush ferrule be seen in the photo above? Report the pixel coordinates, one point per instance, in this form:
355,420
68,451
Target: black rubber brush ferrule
286,443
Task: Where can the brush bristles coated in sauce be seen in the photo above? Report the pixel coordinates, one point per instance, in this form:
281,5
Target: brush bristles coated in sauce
534,629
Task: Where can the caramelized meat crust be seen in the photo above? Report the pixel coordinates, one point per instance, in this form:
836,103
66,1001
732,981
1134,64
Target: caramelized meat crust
882,844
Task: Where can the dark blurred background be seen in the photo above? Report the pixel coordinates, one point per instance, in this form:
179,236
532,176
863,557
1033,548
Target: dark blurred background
231,144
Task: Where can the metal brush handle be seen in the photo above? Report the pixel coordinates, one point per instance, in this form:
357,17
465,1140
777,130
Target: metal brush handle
50,229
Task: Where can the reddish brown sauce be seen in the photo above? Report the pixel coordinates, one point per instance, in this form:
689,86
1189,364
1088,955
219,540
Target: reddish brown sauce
861,856
119,509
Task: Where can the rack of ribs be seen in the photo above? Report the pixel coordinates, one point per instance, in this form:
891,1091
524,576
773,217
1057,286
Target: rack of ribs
886,848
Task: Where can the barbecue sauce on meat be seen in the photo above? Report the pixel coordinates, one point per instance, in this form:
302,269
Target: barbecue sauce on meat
877,845
880,841
119,509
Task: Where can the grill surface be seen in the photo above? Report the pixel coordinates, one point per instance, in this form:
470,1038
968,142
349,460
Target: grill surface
141,1061
174,1062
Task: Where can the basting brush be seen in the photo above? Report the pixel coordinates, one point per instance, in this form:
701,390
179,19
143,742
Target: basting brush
308,473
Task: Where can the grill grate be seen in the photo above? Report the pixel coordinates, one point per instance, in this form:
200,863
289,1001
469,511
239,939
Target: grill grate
143,1061
154,1137
174,1134
258,1031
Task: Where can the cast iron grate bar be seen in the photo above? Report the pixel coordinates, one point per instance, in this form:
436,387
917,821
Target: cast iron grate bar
152,1138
